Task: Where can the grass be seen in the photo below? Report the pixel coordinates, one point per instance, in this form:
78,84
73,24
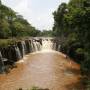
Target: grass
7,42
34,88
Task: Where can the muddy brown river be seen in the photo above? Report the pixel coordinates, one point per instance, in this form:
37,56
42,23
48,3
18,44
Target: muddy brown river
45,69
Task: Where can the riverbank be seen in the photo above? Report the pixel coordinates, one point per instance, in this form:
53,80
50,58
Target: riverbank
11,41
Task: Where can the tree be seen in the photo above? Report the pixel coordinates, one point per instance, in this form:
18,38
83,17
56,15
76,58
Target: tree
59,19
74,25
0,2
13,24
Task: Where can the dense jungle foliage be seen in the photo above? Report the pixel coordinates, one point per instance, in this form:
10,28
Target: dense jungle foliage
72,24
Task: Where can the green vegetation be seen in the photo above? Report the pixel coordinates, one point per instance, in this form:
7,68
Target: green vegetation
34,88
14,25
72,25
46,33
6,42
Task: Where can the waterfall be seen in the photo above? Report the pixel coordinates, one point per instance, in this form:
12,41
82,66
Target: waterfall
23,47
59,46
13,53
2,66
18,54
46,45
43,45
28,46
54,46
35,45
32,46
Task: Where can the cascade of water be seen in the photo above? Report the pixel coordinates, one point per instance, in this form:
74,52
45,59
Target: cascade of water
23,47
54,46
32,46
28,46
35,45
59,46
2,66
47,45
39,46
18,54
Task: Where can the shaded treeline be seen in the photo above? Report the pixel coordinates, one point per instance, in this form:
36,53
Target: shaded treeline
72,25
46,33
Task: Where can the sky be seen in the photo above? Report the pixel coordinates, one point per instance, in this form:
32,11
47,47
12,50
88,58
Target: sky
37,12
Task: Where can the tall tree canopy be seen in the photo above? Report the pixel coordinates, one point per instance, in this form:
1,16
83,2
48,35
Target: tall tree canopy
72,22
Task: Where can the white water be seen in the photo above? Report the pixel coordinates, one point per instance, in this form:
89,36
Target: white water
47,45
18,53
2,66
23,47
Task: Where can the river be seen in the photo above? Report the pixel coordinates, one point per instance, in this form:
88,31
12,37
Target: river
45,69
